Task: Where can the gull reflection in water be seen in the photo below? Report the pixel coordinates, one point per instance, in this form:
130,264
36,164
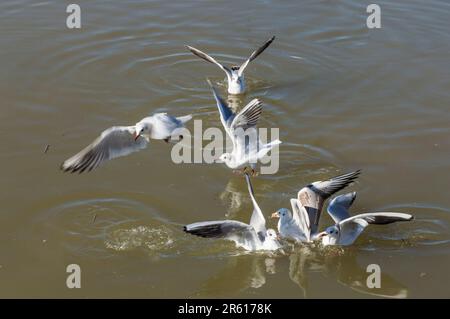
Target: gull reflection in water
250,271
233,197
239,274
342,266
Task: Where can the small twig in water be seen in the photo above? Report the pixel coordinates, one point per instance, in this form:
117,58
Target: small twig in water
47,147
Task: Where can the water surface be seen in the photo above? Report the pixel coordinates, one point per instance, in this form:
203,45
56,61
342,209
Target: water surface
344,97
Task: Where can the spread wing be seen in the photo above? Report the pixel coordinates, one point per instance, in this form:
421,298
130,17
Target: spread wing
339,206
217,229
255,54
314,195
350,230
352,227
382,218
242,234
257,221
114,142
226,114
301,219
248,116
209,59
243,130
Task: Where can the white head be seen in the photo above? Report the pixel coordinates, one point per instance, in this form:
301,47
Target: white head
142,129
271,234
330,236
271,241
283,214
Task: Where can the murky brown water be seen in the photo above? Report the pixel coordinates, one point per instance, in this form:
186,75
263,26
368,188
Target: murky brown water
345,97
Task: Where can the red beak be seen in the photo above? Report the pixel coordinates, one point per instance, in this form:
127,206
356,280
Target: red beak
136,136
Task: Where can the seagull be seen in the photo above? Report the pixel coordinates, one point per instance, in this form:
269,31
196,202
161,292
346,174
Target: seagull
252,237
301,224
235,74
241,128
123,140
348,228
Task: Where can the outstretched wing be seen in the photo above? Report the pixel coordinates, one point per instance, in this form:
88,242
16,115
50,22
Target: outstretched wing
314,195
243,131
226,114
217,229
114,142
242,234
248,116
382,218
350,230
255,54
301,219
208,58
352,227
257,221
339,206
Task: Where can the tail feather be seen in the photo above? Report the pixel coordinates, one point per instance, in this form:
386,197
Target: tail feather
273,143
267,147
184,119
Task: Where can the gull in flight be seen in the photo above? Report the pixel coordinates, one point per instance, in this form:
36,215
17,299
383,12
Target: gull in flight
301,224
348,228
235,74
252,237
241,128
123,140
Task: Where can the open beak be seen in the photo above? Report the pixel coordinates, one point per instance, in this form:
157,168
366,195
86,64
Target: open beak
136,136
275,215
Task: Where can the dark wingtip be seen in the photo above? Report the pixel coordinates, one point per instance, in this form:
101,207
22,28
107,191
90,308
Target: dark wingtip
357,172
353,198
64,169
353,175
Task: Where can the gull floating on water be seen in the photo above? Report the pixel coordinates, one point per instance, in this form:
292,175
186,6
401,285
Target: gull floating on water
241,128
235,74
348,228
253,236
123,140
301,224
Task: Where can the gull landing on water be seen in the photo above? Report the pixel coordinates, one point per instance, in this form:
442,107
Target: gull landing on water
348,228
241,128
252,237
123,140
302,223
235,74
